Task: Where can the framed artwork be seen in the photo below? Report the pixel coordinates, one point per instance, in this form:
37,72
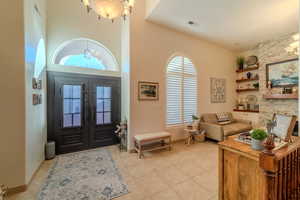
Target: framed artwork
36,99
285,125
36,84
148,91
217,90
284,73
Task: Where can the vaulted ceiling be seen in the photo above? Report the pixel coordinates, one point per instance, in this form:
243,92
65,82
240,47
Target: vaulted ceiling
236,24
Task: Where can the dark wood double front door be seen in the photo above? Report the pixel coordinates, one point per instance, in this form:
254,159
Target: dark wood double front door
83,111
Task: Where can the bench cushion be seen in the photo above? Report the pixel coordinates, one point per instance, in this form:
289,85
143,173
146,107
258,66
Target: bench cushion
151,136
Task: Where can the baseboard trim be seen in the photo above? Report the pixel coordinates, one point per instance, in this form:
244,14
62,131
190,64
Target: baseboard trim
18,189
23,188
35,173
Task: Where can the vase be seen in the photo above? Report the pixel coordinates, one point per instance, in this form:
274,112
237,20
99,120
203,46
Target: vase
249,75
195,125
256,144
241,66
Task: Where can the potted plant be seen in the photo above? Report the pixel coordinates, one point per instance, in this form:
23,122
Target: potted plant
195,122
258,135
240,61
256,85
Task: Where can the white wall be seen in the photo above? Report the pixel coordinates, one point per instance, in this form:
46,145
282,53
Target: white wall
151,47
150,5
36,124
125,73
68,20
12,106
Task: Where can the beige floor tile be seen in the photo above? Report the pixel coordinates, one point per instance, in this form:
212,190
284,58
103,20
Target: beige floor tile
190,168
172,175
215,197
189,190
140,170
152,183
166,195
131,196
136,191
208,180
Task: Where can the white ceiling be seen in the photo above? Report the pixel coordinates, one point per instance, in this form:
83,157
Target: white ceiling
236,24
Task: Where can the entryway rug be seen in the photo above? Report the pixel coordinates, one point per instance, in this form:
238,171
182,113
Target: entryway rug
87,175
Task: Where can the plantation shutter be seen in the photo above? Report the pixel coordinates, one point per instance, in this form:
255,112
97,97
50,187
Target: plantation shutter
181,91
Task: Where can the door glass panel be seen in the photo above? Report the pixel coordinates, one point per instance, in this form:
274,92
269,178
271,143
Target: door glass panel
76,120
100,92
103,105
72,106
99,118
76,106
99,105
68,91
67,120
107,105
67,106
107,118
107,92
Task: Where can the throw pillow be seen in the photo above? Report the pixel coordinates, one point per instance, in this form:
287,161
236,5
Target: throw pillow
222,117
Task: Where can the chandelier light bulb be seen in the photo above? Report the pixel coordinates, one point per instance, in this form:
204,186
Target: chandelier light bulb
110,9
86,2
294,44
130,2
296,36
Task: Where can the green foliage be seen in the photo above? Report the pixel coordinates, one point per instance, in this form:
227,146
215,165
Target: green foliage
256,85
240,60
194,117
259,134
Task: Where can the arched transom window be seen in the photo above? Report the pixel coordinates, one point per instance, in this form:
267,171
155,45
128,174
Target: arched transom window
181,91
85,53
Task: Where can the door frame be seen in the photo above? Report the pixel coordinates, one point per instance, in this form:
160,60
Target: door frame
51,98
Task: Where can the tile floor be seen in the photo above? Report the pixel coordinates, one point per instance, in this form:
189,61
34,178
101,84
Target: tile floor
185,173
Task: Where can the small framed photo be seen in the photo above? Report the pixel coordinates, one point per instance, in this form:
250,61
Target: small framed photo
36,99
148,91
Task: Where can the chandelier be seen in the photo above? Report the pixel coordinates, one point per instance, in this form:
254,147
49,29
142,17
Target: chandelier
109,9
293,48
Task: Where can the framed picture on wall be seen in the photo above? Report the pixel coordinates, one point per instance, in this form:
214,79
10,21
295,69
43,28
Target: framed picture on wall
217,90
148,91
283,73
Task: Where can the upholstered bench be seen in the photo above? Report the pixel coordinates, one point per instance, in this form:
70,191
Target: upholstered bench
152,141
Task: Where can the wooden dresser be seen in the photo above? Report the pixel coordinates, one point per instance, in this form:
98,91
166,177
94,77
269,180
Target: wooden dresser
246,174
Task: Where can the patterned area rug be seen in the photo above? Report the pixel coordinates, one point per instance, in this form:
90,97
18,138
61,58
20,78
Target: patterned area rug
87,175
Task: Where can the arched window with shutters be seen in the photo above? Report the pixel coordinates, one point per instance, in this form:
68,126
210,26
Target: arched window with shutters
181,91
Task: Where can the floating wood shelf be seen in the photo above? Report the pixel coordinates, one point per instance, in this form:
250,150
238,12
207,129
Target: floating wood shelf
247,80
247,90
280,96
251,111
247,70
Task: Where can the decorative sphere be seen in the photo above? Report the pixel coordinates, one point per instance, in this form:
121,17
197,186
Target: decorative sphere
110,9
